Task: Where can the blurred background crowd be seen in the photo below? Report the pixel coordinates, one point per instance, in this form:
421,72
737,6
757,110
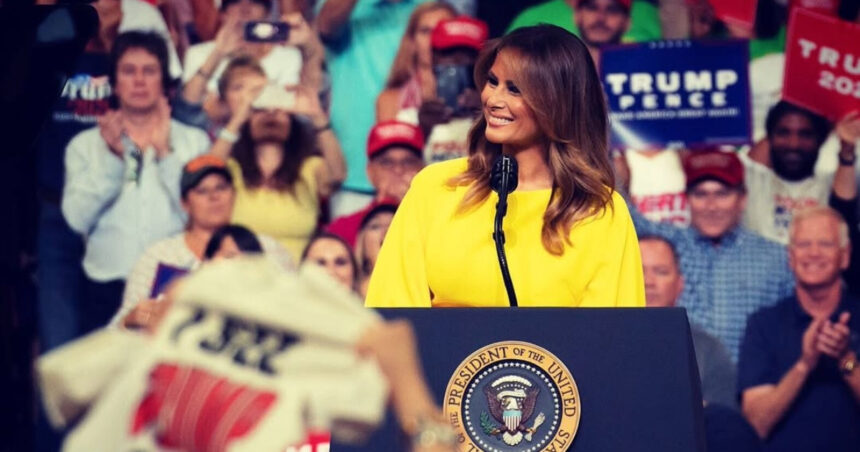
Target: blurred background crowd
201,129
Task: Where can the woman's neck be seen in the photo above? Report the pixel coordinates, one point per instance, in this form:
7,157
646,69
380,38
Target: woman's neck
269,159
533,172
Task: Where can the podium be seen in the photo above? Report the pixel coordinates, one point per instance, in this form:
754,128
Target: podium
635,374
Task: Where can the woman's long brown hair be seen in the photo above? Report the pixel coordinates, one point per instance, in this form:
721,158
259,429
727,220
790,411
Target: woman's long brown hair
406,59
558,81
300,145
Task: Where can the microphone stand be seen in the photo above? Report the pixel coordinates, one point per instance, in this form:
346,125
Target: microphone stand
504,174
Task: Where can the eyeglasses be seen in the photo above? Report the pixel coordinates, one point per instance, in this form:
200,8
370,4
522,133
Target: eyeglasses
206,191
408,164
721,194
805,245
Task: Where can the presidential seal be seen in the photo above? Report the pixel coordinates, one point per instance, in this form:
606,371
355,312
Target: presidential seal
513,397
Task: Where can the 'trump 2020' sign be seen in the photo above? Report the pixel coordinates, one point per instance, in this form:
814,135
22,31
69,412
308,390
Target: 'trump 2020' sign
822,67
678,93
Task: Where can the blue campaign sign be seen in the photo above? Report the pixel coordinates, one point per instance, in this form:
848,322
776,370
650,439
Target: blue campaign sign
680,94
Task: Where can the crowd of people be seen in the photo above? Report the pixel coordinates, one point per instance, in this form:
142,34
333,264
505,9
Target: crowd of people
184,137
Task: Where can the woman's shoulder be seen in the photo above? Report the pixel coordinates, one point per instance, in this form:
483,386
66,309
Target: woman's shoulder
440,172
614,213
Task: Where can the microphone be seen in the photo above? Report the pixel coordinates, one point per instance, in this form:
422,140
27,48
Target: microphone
503,180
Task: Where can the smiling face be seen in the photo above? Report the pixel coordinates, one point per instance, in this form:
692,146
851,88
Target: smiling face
793,147
510,120
815,253
715,208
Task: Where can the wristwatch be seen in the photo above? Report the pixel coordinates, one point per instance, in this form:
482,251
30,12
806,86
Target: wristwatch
848,365
847,161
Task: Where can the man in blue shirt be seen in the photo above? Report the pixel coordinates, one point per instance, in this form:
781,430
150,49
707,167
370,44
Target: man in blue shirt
797,375
729,272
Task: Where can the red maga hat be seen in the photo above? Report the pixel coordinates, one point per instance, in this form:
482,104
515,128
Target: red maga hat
462,31
394,133
721,166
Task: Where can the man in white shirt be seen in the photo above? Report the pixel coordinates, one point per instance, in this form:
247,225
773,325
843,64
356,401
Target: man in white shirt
658,186
780,173
120,191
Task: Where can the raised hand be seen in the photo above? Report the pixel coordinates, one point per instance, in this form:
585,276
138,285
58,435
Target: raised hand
146,315
301,34
229,38
111,129
252,85
308,104
810,352
159,136
833,338
848,128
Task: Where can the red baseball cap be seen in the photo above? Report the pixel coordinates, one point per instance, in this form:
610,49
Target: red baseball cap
625,3
721,166
462,31
394,133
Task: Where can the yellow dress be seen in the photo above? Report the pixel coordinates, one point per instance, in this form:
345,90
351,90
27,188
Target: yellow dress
290,218
434,256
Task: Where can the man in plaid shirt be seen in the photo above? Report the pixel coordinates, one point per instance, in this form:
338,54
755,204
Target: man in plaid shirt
730,272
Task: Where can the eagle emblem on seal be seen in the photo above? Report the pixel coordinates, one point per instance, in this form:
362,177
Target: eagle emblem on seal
511,400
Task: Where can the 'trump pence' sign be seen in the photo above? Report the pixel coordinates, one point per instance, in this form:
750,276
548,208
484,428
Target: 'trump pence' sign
822,64
677,93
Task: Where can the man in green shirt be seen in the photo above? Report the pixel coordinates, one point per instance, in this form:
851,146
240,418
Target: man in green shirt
597,22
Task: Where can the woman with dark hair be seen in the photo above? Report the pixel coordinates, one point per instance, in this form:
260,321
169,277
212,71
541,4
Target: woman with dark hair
333,254
371,234
411,77
570,239
285,161
230,241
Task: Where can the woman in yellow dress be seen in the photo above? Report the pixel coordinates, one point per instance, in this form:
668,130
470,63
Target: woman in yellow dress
569,237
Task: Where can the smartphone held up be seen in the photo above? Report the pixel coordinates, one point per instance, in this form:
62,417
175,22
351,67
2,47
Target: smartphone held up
267,31
274,97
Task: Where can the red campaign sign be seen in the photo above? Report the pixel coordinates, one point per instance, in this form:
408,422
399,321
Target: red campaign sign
822,64
737,12
830,7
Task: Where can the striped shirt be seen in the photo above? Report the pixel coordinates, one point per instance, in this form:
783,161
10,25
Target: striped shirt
724,283
174,252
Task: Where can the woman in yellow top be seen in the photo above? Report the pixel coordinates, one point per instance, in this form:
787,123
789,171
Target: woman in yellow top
569,237
285,159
